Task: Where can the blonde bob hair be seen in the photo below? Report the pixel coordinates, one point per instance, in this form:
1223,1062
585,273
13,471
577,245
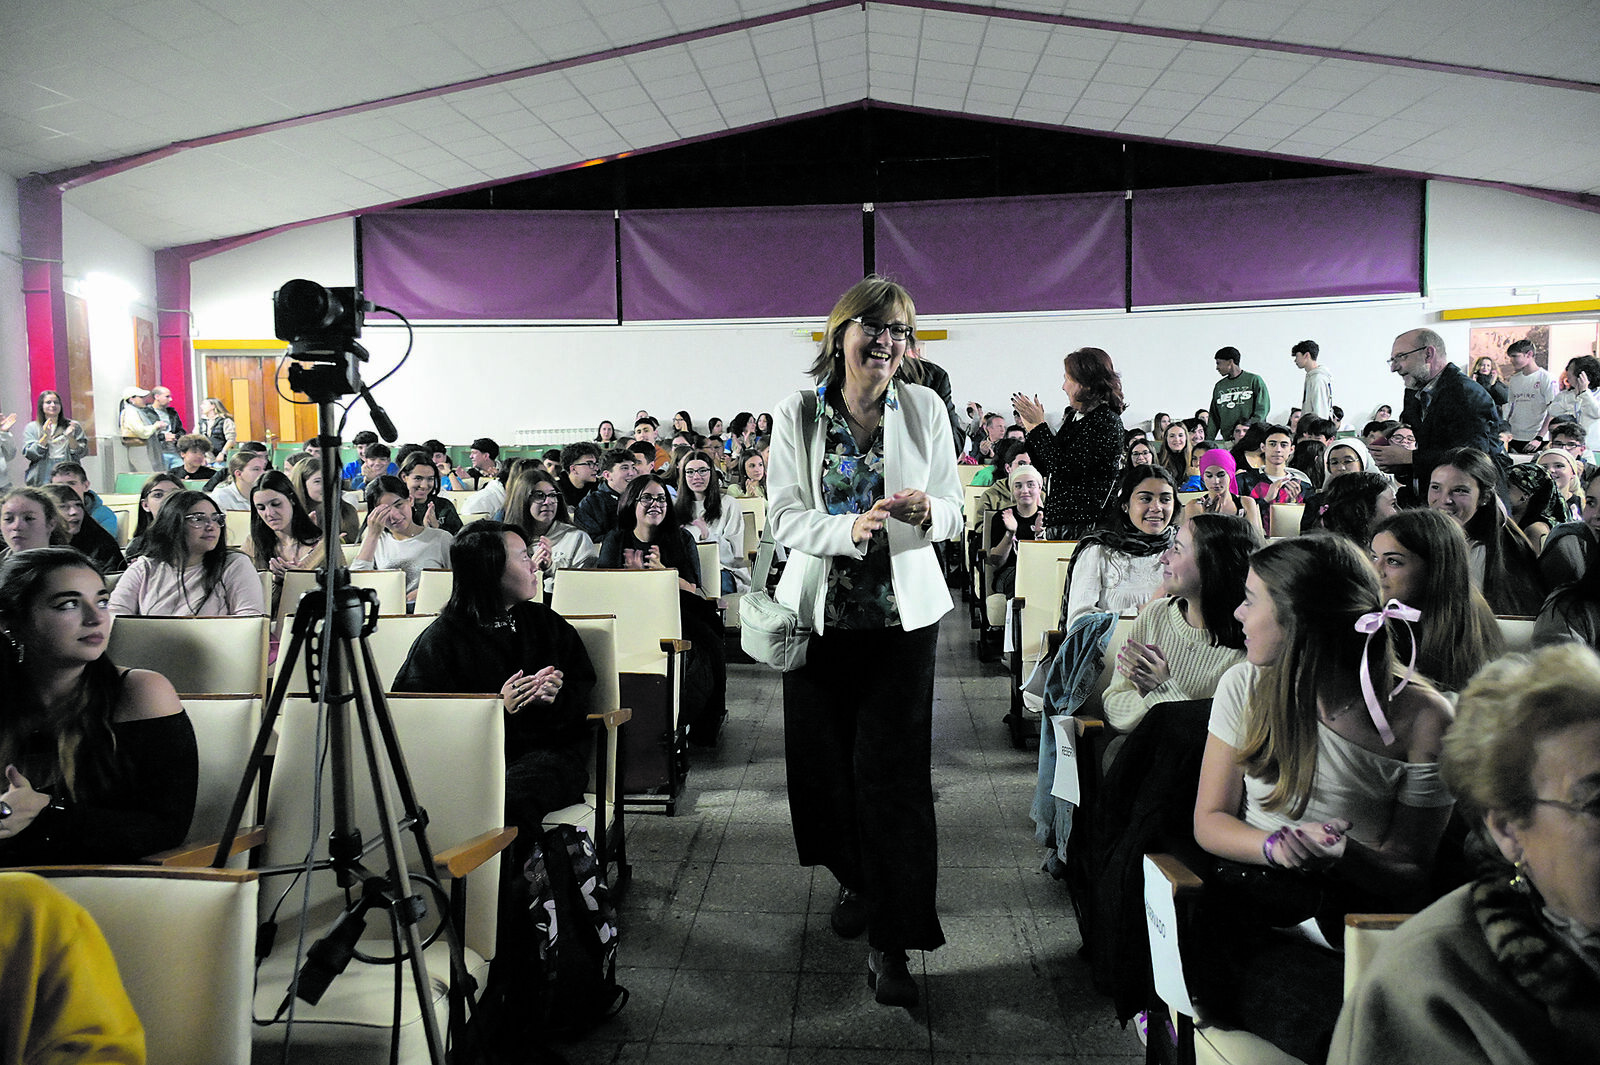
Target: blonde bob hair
872,297
1512,704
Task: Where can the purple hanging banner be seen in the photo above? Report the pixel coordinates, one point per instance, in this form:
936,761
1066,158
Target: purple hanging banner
1311,238
506,265
738,262
1013,254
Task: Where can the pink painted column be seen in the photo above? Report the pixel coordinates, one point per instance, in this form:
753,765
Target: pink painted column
174,354
44,297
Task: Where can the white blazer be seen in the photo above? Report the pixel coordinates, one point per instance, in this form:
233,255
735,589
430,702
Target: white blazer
917,452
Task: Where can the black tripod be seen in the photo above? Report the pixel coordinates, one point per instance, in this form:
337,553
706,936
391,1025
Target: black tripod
334,621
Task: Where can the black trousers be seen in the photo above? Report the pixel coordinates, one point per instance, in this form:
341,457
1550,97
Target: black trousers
858,736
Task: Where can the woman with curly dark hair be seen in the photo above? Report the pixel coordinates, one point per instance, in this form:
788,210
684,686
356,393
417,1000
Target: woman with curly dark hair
1081,459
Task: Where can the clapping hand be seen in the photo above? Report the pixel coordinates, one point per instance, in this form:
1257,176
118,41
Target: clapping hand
7,422
1145,665
1030,412
543,554
1008,518
521,690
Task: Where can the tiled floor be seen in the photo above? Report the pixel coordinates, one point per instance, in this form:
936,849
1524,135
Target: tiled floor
726,946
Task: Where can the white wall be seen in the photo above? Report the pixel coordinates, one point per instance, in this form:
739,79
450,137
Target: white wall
232,293
90,247
463,382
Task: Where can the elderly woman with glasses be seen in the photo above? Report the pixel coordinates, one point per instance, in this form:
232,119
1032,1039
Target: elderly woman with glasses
1507,968
187,569
862,486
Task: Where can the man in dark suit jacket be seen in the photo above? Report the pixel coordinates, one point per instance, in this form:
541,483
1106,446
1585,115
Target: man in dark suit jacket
1443,405
934,376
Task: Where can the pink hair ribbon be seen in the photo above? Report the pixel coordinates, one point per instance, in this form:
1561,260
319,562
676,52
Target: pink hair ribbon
1370,624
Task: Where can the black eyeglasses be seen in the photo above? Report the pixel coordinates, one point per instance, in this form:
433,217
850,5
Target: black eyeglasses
653,502
899,332
697,471
1589,809
585,462
1403,354
545,497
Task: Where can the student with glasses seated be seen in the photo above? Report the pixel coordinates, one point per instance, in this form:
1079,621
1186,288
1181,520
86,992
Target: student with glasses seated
535,507
713,515
649,536
597,514
187,569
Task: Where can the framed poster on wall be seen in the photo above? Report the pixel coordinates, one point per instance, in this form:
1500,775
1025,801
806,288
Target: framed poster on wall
80,375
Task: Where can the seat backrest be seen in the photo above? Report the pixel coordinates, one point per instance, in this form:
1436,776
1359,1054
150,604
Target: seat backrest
433,590
296,583
238,527
391,642
1285,519
131,483
225,728
965,472
755,512
971,509
390,584
1517,633
644,602
1119,635
1363,934
125,522
710,568
184,940
599,633
220,655
455,753
1039,582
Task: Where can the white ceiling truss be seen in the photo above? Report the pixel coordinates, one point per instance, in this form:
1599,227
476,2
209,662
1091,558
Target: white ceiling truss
183,121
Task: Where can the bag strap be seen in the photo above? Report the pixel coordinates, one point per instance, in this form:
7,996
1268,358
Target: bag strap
810,410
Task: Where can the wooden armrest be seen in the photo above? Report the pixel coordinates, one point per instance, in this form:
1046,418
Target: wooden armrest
140,872
1376,922
1089,724
1021,601
1183,879
674,646
1052,640
201,854
463,858
613,718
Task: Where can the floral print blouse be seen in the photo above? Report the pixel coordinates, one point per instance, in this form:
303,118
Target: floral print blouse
860,591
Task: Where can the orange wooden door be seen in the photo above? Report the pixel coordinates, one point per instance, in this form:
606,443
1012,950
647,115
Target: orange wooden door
247,386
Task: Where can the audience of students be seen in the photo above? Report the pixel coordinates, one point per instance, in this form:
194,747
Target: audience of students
187,568
534,505
51,438
84,535
244,470
713,516
1505,566
393,539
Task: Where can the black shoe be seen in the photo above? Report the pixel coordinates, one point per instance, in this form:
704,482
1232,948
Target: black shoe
890,979
849,918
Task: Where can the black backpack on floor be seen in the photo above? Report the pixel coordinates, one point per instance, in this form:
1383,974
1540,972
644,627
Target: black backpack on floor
554,974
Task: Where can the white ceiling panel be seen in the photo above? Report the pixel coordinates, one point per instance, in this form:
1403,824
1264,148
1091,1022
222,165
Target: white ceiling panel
91,80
